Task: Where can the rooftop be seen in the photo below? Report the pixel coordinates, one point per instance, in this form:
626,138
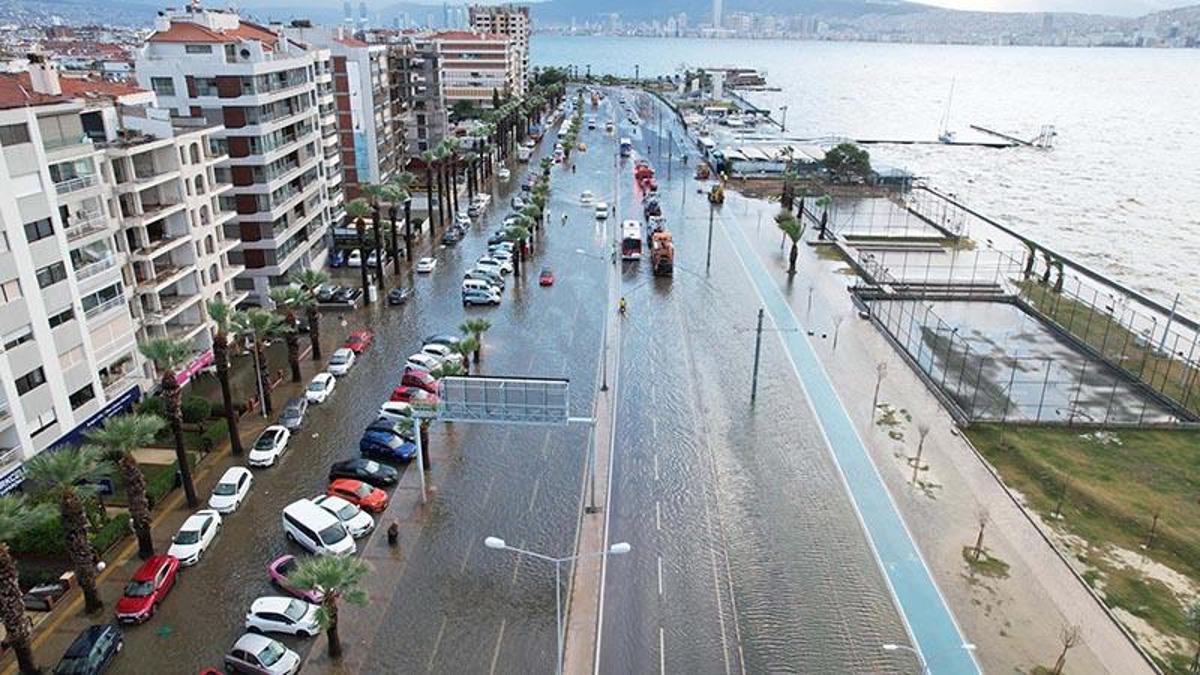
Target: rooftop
194,33
15,92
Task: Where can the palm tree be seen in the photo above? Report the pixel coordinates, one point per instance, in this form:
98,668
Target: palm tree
518,234
398,193
63,475
476,328
377,194
545,164
309,280
428,158
168,354
288,299
17,515
221,315
116,441
336,578
465,348
793,229
358,209
260,325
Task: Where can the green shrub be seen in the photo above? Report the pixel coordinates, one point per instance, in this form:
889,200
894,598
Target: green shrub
45,540
153,405
160,479
195,409
214,434
114,531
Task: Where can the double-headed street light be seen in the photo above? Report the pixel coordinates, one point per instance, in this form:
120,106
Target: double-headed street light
892,647
498,544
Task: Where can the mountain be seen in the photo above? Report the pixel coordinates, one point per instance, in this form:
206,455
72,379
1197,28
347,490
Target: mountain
562,11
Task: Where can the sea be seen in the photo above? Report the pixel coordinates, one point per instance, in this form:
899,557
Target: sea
1119,191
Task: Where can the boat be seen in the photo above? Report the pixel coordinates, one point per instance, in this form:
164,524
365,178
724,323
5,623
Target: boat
944,133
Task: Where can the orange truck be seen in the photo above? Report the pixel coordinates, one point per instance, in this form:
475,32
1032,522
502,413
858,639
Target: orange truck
662,254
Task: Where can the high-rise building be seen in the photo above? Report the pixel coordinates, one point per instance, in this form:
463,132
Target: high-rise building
716,14
110,234
277,116
476,65
362,15
417,98
510,20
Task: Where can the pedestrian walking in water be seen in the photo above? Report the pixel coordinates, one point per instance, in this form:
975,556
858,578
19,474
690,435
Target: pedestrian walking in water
564,218
393,534
572,168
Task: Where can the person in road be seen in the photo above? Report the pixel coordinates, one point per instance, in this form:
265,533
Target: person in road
622,306
564,218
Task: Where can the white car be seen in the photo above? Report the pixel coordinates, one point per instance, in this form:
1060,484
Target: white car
396,411
488,262
195,536
443,353
373,258
503,174
424,361
260,654
586,197
231,490
277,614
342,361
462,219
426,265
601,211
517,203
354,259
321,388
503,256
356,521
270,446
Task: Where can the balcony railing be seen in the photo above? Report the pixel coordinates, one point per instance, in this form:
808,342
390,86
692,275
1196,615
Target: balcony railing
118,384
104,307
92,269
56,143
85,224
75,184
9,456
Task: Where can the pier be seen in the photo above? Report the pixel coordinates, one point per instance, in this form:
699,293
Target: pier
978,144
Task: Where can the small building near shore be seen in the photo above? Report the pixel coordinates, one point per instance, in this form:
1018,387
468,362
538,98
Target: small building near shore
768,159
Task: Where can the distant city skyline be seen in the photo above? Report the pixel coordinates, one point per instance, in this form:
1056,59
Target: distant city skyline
1115,7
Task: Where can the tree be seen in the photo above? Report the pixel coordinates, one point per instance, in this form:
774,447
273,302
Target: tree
222,315
260,325
517,234
309,281
476,328
378,195
168,354
427,159
463,110
848,160
336,578
465,348
358,209
922,432
495,98
17,515
1069,636
64,475
793,229
288,299
398,193
116,442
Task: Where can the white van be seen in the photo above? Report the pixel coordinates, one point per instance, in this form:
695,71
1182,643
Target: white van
477,285
317,530
601,211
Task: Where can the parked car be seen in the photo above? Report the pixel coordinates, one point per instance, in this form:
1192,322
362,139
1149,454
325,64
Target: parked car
354,259
269,447
387,425
546,278
491,277
277,614
386,446
325,292
601,211
426,265
488,262
396,410
147,588
345,295
445,354
475,297
503,174
462,219
92,652
231,490
442,339
293,413
423,361
399,295
451,237
341,362
366,470
279,569
359,340
337,258
586,197
195,536
517,202
357,492
260,655
416,377
315,530
373,258
320,388
356,522
497,238
414,396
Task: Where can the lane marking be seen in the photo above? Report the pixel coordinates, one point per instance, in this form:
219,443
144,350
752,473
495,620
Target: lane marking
656,466
436,644
463,567
517,564
533,494
662,653
657,515
499,639
660,576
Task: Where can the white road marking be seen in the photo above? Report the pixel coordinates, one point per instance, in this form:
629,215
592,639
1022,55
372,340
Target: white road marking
657,515
660,575
496,652
662,653
533,495
436,643
656,466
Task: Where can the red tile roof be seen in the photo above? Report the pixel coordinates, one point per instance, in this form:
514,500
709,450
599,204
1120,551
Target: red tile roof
15,93
186,31
79,86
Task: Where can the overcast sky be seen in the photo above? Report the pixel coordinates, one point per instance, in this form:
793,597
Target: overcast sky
1123,7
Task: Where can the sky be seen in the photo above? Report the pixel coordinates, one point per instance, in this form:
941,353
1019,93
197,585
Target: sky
1119,7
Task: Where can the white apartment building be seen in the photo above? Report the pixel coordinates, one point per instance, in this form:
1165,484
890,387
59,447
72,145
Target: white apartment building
264,88
473,65
510,20
108,237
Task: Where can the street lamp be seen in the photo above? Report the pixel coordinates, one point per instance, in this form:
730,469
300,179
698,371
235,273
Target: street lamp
498,544
892,647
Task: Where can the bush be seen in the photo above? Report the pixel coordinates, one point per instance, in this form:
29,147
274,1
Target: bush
195,409
214,434
112,532
153,405
49,541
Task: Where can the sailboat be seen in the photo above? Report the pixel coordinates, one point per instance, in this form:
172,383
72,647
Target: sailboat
944,133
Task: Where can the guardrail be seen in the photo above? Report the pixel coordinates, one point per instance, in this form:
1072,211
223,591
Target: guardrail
75,184
92,269
104,307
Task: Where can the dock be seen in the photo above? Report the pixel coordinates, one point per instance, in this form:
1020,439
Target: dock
976,144
1013,140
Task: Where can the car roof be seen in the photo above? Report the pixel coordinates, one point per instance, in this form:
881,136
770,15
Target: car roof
346,483
82,645
252,642
343,351
323,377
149,568
196,519
334,501
270,603
233,473
274,429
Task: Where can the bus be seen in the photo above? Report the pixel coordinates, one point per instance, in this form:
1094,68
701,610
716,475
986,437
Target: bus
626,147
631,240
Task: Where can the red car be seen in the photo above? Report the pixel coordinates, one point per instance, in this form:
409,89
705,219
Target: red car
359,340
147,588
280,568
414,396
546,278
421,379
357,492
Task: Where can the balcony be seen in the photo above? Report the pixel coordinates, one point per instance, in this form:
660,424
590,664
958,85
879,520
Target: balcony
184,332
75,184
170,307
157,247
5,415
9,457
92,269
103,307
87,223
164,275
116,385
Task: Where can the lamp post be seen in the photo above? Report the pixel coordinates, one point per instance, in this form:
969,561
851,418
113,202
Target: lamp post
498,544
891,647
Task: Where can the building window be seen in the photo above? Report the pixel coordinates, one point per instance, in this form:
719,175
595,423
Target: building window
164,86
30,381
13,134
43,421
71,357
4,242
51,274
39,229
62,317
82,396
19,337
101,296
197,49
10,291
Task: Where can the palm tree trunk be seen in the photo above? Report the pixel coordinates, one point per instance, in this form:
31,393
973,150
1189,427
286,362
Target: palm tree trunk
792,258
172,394
139,505
517,258
454,183
360,227
428,198
425,445
441,188
378,225
395,236
314,331
293,349
335,640
17,627
408,236
264,374
80,549
221,356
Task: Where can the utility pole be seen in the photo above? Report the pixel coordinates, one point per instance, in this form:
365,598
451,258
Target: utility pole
783,124
880,373
670,154
708,257
757,352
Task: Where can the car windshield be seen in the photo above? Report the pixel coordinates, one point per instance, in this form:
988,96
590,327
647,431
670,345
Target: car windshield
285,567
371,467
347,512
338,358
265,442
73,665
317,386
333,534
362,490
296,610
139,589
187,537
271,653
225,489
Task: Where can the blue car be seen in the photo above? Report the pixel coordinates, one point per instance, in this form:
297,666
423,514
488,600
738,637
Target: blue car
387,446
337,258
387,425
92,652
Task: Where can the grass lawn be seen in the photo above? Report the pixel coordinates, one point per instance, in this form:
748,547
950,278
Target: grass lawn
1115,482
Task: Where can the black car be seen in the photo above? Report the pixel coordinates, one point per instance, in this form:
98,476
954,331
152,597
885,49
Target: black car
399,295
325,292
347,295
382,424
367,470
92,652
293,413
